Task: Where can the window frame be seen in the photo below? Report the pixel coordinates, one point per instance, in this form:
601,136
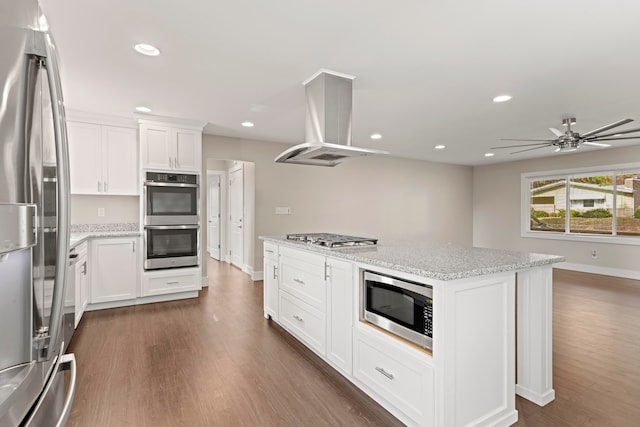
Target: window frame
566,174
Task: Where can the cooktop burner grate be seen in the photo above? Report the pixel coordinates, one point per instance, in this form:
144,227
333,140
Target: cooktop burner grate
332,240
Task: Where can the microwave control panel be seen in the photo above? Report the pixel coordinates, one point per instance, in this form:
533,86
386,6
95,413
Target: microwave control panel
428,317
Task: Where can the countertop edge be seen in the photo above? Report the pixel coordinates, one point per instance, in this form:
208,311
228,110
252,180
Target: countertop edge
76,239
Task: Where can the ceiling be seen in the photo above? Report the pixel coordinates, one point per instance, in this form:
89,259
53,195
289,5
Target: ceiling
426,71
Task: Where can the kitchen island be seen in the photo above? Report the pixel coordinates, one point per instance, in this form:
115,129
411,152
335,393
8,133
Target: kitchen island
468,377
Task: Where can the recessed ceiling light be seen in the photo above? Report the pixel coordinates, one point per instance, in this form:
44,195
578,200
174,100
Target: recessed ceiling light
502,98
439,147
147,49
489,154
376,136
247,124
143,109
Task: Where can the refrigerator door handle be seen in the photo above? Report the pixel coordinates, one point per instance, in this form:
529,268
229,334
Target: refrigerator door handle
64,362
70,361
62,156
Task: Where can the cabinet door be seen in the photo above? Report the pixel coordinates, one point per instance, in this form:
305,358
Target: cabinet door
120,160
188,150
157,147
81,288
340,286
114,270
84,155
270,284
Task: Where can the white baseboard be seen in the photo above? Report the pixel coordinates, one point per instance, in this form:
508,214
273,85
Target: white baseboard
595,269
205,281
257,275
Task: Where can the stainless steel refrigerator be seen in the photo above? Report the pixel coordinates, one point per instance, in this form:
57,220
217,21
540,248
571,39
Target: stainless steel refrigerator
34,223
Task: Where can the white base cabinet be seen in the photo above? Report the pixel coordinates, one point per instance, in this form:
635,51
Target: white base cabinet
171,281
115,271
270,282
82,281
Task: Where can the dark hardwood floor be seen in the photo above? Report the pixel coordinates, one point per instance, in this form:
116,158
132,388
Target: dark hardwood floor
215,361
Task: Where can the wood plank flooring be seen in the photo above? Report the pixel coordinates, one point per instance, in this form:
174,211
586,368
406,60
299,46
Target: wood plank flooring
215,361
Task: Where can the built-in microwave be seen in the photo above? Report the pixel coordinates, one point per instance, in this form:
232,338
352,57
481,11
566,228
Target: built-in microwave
401,307
170,199
171,246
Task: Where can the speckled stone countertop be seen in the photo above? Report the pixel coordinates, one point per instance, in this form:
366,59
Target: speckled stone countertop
440,262
82,232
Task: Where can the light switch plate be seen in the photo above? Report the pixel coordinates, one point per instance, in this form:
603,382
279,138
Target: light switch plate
283,211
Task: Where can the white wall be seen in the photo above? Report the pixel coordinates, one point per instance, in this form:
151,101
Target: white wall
118,209
383,197
496,211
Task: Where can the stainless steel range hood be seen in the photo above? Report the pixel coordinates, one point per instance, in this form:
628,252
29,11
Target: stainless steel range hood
328,123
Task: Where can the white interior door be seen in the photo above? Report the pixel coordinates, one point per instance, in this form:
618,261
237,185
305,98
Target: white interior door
213,222
236,216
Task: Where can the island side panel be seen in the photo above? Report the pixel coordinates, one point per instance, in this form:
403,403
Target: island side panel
478,353
535,358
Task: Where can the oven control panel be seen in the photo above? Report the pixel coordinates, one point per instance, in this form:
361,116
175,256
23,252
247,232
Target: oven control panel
175,178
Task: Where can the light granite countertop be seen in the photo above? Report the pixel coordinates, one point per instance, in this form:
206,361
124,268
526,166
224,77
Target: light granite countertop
76,238
440,262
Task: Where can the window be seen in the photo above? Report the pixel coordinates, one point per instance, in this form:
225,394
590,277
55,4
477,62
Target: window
598,204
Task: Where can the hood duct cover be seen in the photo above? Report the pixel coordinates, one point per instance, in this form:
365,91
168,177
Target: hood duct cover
328,123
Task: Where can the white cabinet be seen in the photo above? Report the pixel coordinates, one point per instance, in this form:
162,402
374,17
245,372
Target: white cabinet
270,282
400,375
171,281
103,159
82,281
168,147
339,313
114,269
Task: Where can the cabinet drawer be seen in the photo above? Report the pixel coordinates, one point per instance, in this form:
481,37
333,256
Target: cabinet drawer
270,251
401,378
163,283
304,279
303,321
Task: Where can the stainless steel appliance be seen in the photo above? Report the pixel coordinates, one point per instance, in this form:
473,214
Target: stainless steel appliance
398,306
171,246
34,223
332,240
170,199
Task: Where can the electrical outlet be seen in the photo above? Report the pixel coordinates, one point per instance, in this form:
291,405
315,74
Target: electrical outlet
100,211
594,254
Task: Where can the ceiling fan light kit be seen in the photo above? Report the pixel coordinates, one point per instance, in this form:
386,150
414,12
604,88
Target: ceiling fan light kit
571,141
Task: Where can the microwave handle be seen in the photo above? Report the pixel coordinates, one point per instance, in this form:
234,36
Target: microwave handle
169,184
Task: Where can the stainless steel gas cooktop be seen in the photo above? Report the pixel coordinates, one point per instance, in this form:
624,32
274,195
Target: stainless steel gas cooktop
332,240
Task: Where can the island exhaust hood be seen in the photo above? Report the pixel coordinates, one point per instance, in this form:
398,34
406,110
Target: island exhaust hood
328,123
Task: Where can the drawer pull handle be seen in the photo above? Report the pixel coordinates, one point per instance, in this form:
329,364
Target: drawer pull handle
298,318
385,373
300,282
269,251
172,283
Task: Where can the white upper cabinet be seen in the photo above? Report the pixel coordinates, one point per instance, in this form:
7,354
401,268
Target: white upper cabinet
104,159
167,147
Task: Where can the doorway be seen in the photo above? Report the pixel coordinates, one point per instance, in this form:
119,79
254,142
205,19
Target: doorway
230,201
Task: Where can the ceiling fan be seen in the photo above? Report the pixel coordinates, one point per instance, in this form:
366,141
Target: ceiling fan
571,141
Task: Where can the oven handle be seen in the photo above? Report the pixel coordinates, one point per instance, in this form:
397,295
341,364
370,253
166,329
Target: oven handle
422,290
171,227
169,184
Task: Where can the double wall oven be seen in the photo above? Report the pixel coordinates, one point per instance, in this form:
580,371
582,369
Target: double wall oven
171,220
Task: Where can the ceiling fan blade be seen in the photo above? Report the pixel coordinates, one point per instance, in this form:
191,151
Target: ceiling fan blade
518,139
620,132
520,145
556,132
597,144
607,127
529,149
612,139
